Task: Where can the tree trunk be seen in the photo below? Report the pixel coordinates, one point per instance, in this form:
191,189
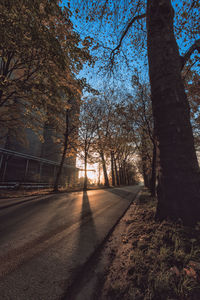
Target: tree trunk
85,170
145,172
123,174
112,167
60,168
106,183
63,154
153,170
116,172
99,175
179,178
146,160
120,174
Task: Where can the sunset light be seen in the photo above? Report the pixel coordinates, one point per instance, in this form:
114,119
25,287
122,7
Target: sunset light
92,171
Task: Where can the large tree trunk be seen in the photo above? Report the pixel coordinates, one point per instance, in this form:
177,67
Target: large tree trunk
153,170
179,179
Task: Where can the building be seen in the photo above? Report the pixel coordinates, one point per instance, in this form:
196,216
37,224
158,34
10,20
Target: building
35,162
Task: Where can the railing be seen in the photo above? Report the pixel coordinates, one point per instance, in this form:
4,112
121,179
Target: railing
21,168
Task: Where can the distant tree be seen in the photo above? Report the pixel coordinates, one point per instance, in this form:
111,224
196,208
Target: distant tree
114,141
143,119
87,133
102,119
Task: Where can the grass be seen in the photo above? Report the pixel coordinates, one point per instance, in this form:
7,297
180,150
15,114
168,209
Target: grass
163,261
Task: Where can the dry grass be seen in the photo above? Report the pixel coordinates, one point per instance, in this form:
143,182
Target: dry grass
155,260
39,192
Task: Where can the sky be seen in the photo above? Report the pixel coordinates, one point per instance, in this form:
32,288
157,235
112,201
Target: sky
133,55
106,33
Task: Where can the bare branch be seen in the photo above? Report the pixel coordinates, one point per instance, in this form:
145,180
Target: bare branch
186,57
114,51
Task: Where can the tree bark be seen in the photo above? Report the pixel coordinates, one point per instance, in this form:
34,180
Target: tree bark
153,170
116,172
112,167
179,178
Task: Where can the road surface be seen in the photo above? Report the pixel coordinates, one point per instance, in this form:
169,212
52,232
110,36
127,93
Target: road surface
45,242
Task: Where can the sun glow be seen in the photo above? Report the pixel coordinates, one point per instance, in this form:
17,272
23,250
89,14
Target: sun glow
91,175
92,171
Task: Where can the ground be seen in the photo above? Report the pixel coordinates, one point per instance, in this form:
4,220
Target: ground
4,194
145,259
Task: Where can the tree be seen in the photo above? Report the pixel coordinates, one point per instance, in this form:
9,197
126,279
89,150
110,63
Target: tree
87,134
68,134
115,141
39,55
179,178
101,117
141,111
123,140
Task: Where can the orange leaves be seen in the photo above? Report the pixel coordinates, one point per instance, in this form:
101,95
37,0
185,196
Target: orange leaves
45,57
192,270
175,270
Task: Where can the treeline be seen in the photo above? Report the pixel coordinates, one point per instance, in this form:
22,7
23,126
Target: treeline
116,130
105,136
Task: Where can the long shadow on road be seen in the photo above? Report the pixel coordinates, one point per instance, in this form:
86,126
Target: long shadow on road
87,241
87,231
122,192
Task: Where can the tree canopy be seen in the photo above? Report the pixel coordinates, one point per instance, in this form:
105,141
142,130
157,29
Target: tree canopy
40,54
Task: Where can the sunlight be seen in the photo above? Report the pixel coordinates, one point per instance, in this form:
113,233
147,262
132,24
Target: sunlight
92,173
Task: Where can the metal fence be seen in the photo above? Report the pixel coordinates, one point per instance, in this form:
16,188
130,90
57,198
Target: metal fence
21,168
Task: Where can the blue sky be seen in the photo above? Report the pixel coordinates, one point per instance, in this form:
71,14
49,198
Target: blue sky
107,33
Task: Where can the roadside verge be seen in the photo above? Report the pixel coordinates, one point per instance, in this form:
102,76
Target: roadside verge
145,259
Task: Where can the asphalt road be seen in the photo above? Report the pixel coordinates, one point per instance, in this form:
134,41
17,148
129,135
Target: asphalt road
45,242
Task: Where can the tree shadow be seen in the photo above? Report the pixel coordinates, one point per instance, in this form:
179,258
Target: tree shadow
87,243
120,192
87,230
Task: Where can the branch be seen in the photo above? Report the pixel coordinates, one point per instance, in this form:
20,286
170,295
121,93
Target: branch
125,32
185,58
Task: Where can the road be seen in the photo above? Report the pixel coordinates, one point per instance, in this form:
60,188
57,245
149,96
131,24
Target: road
45,242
